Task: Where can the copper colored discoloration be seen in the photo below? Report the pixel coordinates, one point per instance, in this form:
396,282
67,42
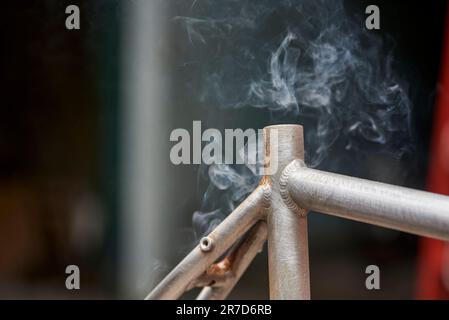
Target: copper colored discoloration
222,267
265,181
219,286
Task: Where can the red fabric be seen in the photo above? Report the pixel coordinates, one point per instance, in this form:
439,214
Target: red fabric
433,263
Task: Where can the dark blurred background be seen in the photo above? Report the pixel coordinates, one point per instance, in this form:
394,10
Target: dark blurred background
85,176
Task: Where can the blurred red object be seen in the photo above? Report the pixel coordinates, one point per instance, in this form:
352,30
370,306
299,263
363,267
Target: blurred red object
433,264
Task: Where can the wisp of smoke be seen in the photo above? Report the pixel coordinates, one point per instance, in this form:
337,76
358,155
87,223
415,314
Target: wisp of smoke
303,61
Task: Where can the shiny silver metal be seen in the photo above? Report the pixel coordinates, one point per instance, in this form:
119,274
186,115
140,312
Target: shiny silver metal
277,210
223,237
288,254
413,211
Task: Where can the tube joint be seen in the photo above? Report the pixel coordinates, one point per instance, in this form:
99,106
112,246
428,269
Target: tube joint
283,187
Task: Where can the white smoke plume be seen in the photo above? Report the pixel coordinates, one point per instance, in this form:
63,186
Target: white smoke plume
304,61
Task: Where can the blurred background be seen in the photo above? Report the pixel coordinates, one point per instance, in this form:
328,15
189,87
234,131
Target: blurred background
86,115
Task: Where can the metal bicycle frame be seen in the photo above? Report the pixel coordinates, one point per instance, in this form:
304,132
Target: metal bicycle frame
277,211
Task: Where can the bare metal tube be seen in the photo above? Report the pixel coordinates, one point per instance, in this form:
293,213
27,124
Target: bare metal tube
207,293
219,240
243,258
413,211
288,253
